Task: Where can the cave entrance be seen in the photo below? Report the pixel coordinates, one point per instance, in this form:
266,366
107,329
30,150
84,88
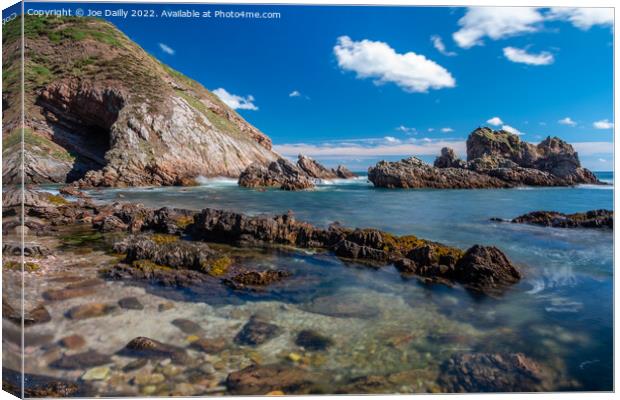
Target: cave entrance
81,119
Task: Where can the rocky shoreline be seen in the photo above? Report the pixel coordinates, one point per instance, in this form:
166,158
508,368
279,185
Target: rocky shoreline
171,244
495,159
594,219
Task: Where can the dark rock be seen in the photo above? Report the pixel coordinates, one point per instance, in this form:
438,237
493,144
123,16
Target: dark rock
256,332
279,174
130,303
597,219
29,249
135,364
187,326
88,359
253,279
39,386
413,173
158,275
168,251
143,347
492,372
313,341
210,346
484,269
37,315
343,173
262,379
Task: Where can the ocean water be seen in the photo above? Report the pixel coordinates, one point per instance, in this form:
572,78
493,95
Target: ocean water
560,313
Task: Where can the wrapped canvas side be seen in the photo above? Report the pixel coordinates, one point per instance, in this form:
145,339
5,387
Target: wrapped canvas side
13,232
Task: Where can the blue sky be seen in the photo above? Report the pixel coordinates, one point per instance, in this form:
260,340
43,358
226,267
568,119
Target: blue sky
358,84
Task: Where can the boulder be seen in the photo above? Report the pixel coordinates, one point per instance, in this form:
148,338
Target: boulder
485,269
253,280
262,379
493,372
144,347
256,332
87,359
278,174
313,341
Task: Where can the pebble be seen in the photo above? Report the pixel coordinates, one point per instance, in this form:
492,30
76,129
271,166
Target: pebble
165,306
73,342
130,303
148,390
90,310
294,357
275,393
96,374
145,378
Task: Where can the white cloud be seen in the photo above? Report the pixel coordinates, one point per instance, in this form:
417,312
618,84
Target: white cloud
603,124
234,101
421,147
522,56
166,49
583,17
377,60
405,129
294,93
567,121
602,160
440,46
391,140
495,121
512,130
447,130
496,23
431,129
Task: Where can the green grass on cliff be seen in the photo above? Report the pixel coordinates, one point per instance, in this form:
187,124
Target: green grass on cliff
36,144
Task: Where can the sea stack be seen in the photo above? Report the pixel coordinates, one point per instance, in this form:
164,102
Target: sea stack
495,159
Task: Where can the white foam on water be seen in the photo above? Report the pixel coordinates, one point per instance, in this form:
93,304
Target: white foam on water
338,181
219,181
597,187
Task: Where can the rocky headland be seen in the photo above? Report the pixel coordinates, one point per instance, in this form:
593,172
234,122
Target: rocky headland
100,111
594,219
495,159
285,175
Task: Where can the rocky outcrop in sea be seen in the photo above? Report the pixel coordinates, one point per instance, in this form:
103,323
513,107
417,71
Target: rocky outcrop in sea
285,175
594,219
495,159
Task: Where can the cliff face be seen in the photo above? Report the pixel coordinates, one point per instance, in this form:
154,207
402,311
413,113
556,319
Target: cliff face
101,111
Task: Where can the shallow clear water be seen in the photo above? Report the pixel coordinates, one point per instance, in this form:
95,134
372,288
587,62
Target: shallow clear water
560,313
